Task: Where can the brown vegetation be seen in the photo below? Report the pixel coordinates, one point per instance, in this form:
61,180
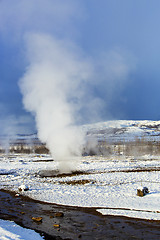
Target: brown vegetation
78,182
136,147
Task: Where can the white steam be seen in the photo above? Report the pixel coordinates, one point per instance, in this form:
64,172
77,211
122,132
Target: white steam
53,90
60,87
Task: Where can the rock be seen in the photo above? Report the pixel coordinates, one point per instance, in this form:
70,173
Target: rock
37,219
56,225
142,191
17,195
59,214
145,190
23,188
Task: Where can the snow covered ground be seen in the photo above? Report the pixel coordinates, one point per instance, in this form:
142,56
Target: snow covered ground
108,183
124,130
11,231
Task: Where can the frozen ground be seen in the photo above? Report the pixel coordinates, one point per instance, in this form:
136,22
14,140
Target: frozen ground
109,184
10,231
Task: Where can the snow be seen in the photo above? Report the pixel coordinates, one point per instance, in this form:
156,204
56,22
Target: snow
108,183
130,213
124,130
11,231
104,182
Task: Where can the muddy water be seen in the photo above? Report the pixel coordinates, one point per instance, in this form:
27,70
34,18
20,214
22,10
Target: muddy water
75,223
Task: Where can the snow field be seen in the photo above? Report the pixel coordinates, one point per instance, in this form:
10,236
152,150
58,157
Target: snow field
107,183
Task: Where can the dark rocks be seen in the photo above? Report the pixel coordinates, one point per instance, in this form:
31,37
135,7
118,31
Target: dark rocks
23,188
142,191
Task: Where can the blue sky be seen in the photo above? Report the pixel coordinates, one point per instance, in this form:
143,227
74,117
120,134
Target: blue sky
113,34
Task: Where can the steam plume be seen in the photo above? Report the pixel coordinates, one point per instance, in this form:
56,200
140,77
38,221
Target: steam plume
59,88
53,89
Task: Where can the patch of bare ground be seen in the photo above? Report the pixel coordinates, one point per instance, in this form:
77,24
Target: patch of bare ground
7,173
140,169
43,160
78,182
56,173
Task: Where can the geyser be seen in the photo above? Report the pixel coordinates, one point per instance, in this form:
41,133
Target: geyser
53,89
